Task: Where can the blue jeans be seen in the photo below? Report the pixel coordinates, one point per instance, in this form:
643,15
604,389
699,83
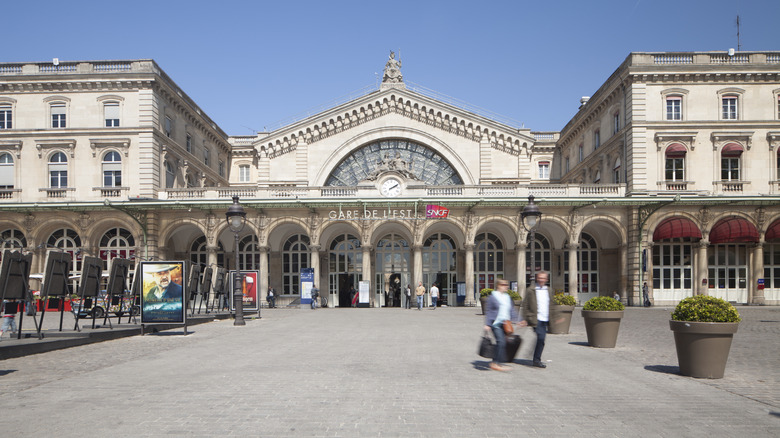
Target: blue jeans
499,356
419,302
541,334
435,299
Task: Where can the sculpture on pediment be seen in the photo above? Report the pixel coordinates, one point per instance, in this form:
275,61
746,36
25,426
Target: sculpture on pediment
392,70
388,164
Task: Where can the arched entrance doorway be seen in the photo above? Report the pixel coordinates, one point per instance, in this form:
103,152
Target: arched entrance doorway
440,267
728,259
392,269
673,258
345,263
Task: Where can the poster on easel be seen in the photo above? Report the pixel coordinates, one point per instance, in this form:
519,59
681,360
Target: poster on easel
248,289
163,292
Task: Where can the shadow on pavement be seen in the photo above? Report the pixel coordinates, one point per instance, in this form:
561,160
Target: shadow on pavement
581,344
4,372
666,369
482,365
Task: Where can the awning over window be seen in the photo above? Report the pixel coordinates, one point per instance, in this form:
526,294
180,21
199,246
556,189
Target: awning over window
773,233
676,150
733,230
676,227
731,150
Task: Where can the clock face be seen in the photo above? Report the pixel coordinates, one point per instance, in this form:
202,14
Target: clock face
391,187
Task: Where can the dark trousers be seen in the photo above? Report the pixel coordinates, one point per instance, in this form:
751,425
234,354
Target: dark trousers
541,334
499,355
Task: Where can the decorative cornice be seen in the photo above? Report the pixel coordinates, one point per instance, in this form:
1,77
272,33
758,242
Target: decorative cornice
744,137
663,138
102,143
68,144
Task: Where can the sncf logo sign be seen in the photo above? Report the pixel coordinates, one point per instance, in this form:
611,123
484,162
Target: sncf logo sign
436,212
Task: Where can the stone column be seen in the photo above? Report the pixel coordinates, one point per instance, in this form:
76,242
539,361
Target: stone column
314,257
211,260
367,275
470,274
417,277
701,269
262,280
521,285
623,273
648,277
573,271
758,272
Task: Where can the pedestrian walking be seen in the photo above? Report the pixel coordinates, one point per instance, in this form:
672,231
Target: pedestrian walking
499,309
646,295
434,295
408,296
420,292
271,298
536,314
315,294
9,310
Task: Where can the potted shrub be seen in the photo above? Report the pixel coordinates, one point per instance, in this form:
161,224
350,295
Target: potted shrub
517,300
483,297
703,327
602,321
560,313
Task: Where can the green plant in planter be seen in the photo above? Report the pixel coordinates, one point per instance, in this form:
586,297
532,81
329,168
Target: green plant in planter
564,300
704,308
514,295
603,304
485,292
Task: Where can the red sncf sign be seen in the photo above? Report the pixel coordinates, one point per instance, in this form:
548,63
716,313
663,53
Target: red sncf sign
436,212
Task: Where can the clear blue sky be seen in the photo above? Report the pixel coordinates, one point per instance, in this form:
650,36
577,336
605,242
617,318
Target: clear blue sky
250,64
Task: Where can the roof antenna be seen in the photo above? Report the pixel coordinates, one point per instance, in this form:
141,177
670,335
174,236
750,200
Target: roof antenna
739,45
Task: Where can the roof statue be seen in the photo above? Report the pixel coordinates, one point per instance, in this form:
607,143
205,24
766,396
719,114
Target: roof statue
392,73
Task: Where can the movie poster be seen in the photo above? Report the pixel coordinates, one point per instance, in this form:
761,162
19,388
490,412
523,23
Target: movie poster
248,289
163,292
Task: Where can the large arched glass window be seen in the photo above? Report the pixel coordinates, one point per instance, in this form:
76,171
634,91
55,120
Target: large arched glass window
249,253
542,256
295,256
116,242
199,252
112,169
6,171
68,241
440,266
12,239
587,268
58,171
415,160
488,260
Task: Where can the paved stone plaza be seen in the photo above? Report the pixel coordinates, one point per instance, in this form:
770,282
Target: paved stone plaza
391,372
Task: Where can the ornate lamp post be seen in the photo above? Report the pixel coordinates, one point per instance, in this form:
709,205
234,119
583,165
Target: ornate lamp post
531,217
236,218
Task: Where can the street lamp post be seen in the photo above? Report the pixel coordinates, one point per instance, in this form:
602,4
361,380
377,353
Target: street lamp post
236,218
531,217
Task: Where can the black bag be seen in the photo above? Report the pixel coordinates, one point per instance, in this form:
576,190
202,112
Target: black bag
486,347
512,346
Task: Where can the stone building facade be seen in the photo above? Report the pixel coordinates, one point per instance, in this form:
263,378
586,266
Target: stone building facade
668,174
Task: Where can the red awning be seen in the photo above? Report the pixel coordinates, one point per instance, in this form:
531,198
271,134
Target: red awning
676,150
732,150
773,233
733,230
676,227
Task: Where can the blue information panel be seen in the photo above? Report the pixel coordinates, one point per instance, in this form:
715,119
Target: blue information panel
307,281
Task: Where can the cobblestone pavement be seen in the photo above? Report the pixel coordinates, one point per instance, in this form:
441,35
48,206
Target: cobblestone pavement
392,372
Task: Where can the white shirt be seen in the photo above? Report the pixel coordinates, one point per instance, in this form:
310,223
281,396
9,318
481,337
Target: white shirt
542,303
434,291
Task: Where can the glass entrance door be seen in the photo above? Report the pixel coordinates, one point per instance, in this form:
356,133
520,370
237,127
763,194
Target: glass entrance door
728,272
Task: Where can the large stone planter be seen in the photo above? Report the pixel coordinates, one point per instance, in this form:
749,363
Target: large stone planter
483,303
703,347
602,327
560,319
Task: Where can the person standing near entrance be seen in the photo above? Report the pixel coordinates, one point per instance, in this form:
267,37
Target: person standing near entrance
646,294
271,297
434,295
315,293
536,313
420,294
408,296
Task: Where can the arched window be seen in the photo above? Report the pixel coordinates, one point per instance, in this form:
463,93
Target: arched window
587,268
58,171
730,159
6,171
116,242
295,256
190,181
542,256
675,162
199,252
249,253
112,169
170,175
488,260
12,239
68,241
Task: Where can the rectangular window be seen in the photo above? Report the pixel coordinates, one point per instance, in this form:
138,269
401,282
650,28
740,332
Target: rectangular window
168,126
112,178
616,175
674,108
111,113
729,169
58,179
221,168
544,170
616,123
58,115
778,106
596,139
567,165
206,156
674,169
729,107
6,117
189,143
580,152
243,173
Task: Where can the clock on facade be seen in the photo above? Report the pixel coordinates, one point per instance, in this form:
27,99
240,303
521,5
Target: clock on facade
390,187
